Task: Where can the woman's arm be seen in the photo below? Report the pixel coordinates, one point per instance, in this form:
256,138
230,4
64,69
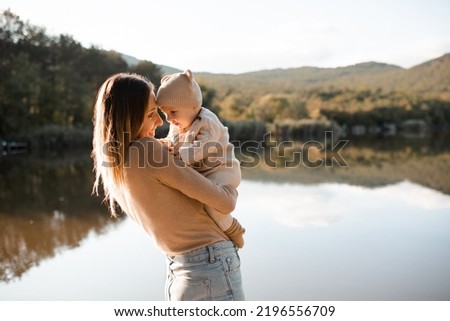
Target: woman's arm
177,175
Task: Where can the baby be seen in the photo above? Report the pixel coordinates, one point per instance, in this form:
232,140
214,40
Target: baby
200,140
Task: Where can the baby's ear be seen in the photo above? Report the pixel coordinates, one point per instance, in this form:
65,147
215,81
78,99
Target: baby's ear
165,78
188,74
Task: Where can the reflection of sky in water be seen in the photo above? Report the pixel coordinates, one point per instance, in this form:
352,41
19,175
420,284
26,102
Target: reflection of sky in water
303,242
385,243
298,206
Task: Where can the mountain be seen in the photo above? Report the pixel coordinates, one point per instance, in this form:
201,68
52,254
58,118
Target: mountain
165,70
431,77
130,60
303,78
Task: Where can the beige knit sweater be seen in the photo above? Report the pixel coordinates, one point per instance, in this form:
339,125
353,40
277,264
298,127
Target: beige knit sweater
166,198
205,146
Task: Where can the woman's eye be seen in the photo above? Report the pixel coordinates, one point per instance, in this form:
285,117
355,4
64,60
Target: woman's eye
150,115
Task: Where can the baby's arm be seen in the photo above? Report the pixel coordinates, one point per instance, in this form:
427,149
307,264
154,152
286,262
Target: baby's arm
203,143
168,142
169,145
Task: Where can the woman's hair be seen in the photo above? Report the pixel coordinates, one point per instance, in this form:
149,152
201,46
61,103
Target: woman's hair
119,112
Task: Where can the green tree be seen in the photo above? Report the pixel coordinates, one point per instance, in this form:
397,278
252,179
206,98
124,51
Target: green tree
209,98
149,70
19,94
48,79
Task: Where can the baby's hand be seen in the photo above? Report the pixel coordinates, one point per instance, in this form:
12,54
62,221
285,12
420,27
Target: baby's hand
168,144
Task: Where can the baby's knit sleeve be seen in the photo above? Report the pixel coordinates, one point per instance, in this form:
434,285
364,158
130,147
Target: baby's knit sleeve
205,142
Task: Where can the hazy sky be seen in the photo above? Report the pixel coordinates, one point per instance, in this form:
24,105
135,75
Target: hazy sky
236,36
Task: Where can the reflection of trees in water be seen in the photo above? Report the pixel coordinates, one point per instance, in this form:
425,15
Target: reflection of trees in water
371,163
45,205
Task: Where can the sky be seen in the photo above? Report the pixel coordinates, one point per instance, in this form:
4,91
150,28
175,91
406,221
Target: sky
237,36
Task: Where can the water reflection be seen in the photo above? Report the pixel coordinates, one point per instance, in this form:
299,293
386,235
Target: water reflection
367,231
343,242
393,249
370,164
45,207
320,205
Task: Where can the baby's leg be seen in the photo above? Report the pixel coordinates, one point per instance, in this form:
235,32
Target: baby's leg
229,225
223,176
227,176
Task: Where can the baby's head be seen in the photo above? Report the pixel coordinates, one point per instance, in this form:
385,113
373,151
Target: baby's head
180,98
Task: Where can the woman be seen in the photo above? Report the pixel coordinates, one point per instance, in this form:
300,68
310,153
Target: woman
164,196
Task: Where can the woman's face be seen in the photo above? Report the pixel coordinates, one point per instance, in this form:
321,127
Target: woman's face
152,120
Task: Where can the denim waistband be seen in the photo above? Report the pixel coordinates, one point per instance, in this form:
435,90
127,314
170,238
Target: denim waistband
209,252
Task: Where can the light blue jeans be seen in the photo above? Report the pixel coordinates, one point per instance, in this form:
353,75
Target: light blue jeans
211,273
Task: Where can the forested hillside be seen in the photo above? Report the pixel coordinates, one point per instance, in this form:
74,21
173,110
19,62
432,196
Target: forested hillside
366,94
48,83
433,76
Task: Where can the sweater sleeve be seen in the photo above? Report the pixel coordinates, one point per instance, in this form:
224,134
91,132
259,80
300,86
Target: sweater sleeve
206,142
177,175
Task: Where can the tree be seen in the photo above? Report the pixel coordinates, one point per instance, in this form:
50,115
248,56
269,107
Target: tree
149,70
234,106
208,97
272,107
19,95
49,79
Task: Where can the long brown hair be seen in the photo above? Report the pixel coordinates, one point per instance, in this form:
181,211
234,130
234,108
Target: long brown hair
119,112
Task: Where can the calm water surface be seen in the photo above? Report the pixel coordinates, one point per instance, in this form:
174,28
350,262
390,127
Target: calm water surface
368,232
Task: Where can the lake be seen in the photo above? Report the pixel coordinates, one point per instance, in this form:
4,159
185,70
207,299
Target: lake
377,229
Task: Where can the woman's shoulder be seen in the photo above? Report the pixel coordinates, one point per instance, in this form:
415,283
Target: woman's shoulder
146,149
145,144
144,140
